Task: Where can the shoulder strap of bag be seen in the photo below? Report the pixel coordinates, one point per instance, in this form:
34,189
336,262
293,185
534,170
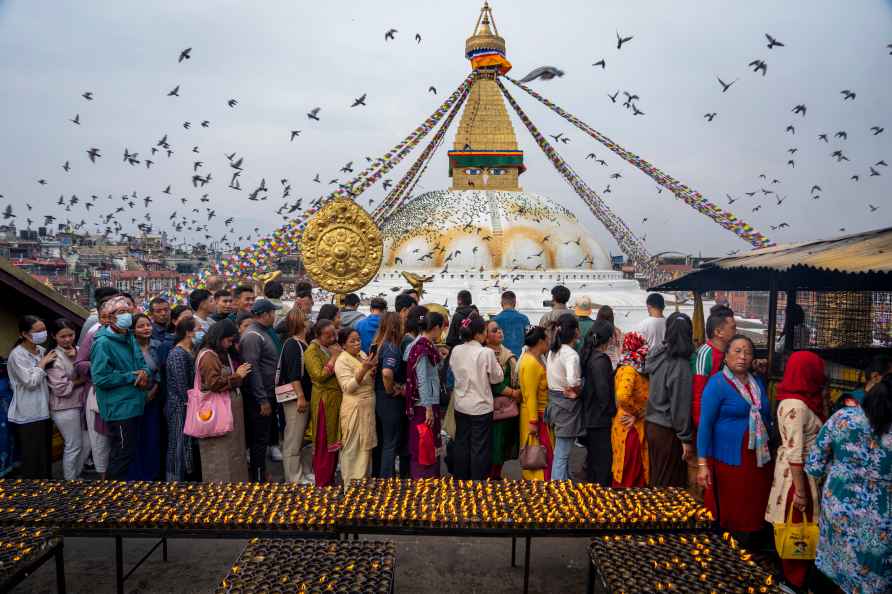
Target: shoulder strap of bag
197,383
279,364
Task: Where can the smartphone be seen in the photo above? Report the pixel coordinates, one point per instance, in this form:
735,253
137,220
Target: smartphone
373,350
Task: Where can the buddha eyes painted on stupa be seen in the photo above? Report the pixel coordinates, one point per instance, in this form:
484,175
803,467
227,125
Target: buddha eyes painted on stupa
471,171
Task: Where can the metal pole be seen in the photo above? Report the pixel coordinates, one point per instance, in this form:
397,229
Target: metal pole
772,325
526,565
119,565
513,551
60,570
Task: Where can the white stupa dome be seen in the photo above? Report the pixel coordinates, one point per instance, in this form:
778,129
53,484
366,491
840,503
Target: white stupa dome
498,231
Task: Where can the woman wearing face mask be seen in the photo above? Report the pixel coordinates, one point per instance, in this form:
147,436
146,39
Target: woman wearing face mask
732,442
29,410
223,458
67,397
121,380
180,377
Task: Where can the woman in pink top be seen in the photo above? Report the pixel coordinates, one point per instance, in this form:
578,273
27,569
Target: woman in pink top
67,396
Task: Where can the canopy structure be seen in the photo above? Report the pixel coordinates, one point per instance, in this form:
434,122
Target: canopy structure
858,262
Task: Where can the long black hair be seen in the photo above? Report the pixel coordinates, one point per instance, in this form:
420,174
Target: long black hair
599,334
564,331
25,325
475,325
225,328
679,338
877,407
415,320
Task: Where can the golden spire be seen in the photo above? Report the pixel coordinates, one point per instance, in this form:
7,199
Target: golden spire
485,154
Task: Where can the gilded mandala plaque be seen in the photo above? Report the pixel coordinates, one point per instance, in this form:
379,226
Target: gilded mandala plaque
342,247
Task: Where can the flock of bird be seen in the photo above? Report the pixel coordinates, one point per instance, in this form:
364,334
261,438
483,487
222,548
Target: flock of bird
759,65
190,218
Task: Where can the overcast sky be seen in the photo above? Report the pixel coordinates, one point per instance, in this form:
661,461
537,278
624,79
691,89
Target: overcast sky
281,58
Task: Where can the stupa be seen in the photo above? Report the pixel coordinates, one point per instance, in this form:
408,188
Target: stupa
485,233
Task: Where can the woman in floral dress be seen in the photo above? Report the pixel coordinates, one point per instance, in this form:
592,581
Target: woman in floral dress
854,453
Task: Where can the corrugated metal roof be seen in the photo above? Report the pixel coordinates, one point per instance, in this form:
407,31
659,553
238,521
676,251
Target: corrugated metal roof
859,253
859,262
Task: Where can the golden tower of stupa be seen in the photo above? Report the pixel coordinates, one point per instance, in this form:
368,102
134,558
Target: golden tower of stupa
485,154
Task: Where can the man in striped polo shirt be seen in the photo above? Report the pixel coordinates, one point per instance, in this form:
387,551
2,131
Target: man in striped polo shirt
708,360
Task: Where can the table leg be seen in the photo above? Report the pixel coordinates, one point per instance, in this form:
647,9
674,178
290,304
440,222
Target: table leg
164,548
513,551
60,570
119,565
526,565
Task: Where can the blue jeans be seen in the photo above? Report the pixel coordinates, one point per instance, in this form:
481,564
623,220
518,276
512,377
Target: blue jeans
560,466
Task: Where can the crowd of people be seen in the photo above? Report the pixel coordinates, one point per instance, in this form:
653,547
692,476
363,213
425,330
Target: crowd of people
337,393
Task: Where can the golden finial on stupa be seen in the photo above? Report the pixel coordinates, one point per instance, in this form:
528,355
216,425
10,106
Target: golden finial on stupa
485,48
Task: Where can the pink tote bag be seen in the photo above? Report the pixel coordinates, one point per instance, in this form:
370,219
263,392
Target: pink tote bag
208,414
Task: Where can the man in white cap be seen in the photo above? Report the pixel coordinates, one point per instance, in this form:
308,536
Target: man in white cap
583,314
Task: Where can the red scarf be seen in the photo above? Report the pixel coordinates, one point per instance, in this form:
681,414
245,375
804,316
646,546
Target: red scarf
804,380
423,347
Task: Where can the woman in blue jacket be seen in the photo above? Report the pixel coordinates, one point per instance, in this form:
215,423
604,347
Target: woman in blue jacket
732,442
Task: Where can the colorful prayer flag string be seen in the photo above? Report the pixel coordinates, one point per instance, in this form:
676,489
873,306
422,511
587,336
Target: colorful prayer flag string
693,198
631,246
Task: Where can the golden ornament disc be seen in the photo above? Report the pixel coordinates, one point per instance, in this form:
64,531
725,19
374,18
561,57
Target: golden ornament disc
342,247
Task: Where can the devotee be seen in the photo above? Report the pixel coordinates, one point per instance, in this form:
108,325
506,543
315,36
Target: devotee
402,305
504,434
304,300
29,411
202,303
390,407
667,420
356,377
223,457
412,326
583,311
413,294
100,295
800,414
422,393
177,313
795,328
598,402
560,296
292,370
273,291
159,312
67,397
653,327
710,357
534,392
330,311
146,465
734,464
99,441
615,345
564,410
222,305
325,403
350,315
463,310
631,463
243,320
513,323
120,378
242,298
368,327
179,377
475,369
879,367
853,457
257,348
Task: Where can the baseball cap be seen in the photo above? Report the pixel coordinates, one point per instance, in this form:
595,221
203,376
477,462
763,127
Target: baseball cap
583,306
262,306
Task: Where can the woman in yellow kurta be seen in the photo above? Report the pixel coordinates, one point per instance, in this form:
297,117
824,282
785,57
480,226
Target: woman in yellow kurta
630,460
356,376
325,402
534,391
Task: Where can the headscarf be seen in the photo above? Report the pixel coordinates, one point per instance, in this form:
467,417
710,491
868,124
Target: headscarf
758,433
634,350
804,380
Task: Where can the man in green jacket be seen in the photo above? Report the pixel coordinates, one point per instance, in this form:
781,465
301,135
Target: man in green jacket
120,378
